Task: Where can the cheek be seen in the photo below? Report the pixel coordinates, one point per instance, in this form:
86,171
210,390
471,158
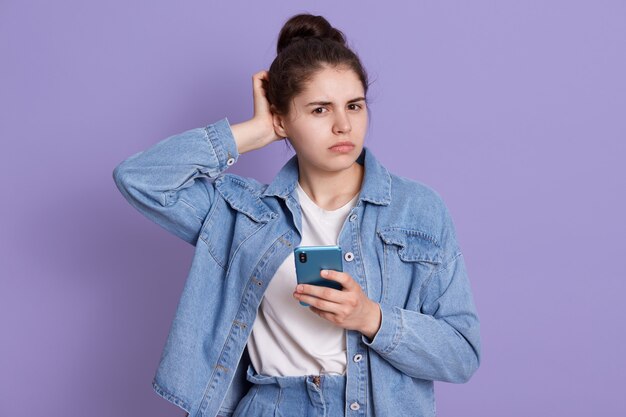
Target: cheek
308,132
362,120
359,129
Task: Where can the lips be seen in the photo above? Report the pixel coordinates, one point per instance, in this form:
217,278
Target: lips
344,143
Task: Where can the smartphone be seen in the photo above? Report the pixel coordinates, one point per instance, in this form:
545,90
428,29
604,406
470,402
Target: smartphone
310,260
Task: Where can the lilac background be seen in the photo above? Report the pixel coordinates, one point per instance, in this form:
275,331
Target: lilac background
514,111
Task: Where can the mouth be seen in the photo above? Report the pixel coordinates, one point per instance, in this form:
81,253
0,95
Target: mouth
345,146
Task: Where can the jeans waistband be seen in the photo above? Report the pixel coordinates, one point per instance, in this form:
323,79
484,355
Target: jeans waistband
286,381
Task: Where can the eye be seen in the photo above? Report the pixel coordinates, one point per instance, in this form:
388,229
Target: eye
318,112
358,106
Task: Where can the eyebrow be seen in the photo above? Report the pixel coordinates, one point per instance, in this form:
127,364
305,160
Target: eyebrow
326,103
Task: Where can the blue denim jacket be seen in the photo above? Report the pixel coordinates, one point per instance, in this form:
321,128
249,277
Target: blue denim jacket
406,258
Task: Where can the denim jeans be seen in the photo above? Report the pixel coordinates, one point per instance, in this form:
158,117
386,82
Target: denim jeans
288,396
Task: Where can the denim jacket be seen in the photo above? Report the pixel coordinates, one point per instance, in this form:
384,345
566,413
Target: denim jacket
404,254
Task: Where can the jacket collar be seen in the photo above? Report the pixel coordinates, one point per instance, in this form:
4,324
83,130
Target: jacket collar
376,186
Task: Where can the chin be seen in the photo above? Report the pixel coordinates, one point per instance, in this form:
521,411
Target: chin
340,165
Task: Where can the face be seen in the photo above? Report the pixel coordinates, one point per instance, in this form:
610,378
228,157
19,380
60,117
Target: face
330,110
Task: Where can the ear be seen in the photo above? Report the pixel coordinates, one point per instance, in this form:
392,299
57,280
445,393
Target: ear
279,125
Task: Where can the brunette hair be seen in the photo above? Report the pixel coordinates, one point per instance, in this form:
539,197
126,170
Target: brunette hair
307,43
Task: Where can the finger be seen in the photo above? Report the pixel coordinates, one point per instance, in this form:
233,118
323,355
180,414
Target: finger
261,103
346,281
323,314
260,75
324,305
325,293
257,83
258,78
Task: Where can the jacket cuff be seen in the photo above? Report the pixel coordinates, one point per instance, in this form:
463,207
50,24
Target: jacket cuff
388,335
221,138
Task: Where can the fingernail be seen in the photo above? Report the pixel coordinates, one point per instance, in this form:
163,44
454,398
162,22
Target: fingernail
300,288
324,272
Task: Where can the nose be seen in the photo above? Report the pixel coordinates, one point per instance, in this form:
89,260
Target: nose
342,123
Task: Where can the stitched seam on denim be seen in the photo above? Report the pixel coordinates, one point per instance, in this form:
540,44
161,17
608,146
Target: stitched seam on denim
212,138
256,267
423,286
230,261
437,272
256,392
322,399
244,184
280,398
208,219
444,266
395,339
411,232
167,201
384,279
234,204
284,241
170,397
397,331
402,246
217,366
359,251
387,197
421,234
452,254
208,249
403,256
182,200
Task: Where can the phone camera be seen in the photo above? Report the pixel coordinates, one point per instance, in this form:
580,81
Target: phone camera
302,257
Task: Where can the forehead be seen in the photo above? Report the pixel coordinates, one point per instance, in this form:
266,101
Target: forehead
331,84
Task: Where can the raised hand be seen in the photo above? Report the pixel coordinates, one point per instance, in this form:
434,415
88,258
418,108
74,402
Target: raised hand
258,131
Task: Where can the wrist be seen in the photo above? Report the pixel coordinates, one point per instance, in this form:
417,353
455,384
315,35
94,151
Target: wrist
373,321
246,136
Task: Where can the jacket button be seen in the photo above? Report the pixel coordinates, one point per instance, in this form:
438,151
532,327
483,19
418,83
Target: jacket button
230,161
357,357
353,217
354,406
349,256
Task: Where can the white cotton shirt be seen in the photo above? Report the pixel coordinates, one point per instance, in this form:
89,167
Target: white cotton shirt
287,338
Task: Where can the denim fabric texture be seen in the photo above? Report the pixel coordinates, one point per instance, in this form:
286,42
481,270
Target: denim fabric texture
289,396
405,257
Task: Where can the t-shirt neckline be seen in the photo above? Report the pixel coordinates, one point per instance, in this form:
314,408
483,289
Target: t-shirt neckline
336,212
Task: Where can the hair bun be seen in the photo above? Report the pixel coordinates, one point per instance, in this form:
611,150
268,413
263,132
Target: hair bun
304,26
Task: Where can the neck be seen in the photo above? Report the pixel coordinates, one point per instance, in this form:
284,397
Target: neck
331,190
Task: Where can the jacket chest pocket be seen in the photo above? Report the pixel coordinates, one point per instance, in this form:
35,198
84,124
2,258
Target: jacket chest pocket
225,230
409,258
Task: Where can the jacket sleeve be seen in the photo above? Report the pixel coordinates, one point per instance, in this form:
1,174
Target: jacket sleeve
171,183
442,340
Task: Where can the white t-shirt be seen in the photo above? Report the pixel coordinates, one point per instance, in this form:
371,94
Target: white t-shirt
287,338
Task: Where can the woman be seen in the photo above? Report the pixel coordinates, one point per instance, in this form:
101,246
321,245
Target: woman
241,343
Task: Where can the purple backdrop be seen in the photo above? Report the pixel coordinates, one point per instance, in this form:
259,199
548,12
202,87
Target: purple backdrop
515,110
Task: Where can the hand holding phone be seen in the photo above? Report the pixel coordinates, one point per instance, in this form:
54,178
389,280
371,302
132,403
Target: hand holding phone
310,260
